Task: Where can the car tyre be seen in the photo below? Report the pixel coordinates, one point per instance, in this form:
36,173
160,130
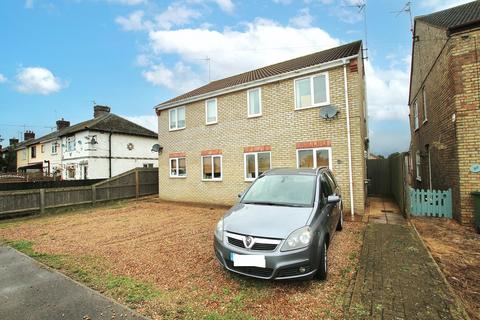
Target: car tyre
340,222
323,263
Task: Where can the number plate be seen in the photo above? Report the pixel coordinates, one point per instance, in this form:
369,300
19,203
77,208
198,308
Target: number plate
243,260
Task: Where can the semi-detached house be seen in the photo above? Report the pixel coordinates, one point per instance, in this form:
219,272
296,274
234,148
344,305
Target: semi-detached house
305,112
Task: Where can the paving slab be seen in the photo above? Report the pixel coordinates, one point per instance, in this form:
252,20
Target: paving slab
29,290
396,276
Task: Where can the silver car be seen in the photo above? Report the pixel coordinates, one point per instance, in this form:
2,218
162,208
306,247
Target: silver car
282,226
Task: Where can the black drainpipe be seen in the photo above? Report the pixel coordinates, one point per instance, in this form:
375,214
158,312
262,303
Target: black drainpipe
110,154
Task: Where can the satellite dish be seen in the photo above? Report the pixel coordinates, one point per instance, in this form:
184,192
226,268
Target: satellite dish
328,112
157,148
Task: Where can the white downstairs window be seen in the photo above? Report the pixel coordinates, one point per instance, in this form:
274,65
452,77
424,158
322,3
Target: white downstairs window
178,167
255,164
314,158
212,168
418,165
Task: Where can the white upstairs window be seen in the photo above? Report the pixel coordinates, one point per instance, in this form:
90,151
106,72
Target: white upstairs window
254,102
211,113
176,117
312,91
415,115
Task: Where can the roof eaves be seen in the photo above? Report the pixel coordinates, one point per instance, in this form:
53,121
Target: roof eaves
250,84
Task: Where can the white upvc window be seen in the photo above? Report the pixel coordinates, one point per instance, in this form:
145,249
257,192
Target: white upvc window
176,118
312,91
418,165
256,163
314,158
54,148
254,102
71,144
415,115
178,167
211,112
212,168
424,94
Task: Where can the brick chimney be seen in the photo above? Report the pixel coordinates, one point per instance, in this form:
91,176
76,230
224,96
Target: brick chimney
28,135
99,111
13,141
61,124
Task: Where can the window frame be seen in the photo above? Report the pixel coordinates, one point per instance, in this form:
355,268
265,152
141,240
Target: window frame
176,176
176,118
418,166
42,148
312,93
221,167
424,96
71,141
314,151
33,152
54,145
259,114
206,111
416,121
256,164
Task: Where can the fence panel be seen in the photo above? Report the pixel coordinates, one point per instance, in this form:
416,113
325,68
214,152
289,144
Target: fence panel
431,203
134,183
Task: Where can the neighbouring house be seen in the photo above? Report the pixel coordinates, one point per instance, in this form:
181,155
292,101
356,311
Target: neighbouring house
8,157
306,112
98,148
444,104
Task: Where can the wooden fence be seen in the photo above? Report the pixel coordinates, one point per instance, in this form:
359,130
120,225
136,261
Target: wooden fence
134,183
431,203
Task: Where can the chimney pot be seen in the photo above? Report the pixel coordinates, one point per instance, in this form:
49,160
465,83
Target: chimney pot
99,110
28,135
61,124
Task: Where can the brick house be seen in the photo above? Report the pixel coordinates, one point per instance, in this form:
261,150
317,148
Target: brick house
218,138
444,104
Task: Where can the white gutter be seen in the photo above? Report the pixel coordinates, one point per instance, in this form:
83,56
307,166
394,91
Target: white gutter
256,83
349,144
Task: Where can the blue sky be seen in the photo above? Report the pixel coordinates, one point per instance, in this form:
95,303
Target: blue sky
57,57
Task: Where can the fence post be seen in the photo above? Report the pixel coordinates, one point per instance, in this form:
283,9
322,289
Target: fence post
94,195
137,185
42,200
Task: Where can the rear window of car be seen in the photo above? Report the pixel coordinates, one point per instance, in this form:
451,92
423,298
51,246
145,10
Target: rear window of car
288,190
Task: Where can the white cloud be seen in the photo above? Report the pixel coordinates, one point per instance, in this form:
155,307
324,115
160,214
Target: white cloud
134,22
2,78
387,91
226,5
303,20
147,121
437,5
175,15
128,2
261,43
180,78
37,80
282,1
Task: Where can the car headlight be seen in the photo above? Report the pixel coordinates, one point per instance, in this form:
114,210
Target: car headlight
219,230
298,239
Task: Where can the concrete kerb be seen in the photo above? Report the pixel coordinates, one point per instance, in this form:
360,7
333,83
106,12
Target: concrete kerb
452,292
44,266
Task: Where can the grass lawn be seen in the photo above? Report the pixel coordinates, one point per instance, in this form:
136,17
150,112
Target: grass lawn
157,257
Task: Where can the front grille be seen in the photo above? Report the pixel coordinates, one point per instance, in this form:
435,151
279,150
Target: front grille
236,242
254,271
264,246
292,271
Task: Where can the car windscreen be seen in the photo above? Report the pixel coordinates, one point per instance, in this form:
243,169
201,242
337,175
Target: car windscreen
287,190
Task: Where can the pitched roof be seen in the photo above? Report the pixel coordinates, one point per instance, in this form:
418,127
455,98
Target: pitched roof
455,18
336,53
109,122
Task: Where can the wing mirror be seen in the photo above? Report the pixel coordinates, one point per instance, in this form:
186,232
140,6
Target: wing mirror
333,199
